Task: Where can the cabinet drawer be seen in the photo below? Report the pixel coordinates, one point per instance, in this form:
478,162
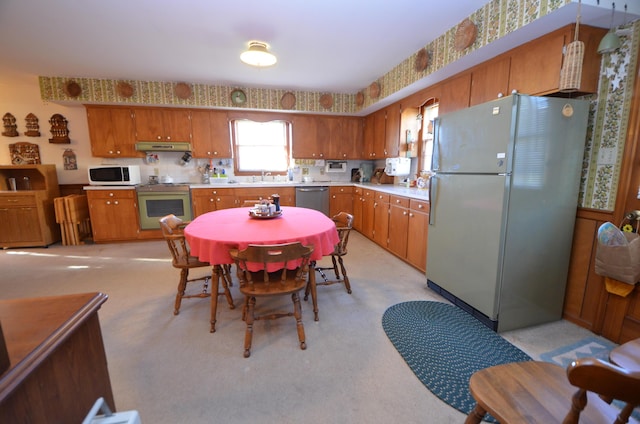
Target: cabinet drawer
357,190
111,194
419,205
382,197
341,190
17,201
399,201
212,192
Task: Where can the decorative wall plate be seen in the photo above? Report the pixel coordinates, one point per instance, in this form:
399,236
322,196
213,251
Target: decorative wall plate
422,60
33,128
359,98
374,90
124,89
182,90
23,153
72,89
326,101
465,34
238,97
288,100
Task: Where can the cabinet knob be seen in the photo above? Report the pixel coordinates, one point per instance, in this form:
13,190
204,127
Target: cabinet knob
108,202
404,213
168,138
333,197
110,194
211,200
410,215
397,200
115,202
159,137
420,206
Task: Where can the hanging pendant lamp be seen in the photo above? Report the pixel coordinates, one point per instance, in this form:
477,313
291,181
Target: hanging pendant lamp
610,42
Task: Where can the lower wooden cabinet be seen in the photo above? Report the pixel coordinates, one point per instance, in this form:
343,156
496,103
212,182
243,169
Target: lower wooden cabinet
19,222
340,200
114,215
211,199
396,223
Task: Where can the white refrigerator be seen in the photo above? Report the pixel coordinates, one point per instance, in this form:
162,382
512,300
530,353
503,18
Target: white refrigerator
503,203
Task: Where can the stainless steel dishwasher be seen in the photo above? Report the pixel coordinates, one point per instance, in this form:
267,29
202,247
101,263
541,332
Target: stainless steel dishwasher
315,197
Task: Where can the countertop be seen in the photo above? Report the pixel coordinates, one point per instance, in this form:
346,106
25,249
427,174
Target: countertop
411,192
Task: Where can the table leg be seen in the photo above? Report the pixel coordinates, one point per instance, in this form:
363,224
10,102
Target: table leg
218,271
312,284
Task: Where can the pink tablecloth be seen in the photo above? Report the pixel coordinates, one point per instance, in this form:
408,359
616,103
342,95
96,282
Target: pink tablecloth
211,235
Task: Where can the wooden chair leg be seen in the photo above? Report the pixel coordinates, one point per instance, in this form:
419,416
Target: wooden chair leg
248,335
226,283
336,271
182,286
311,285
297,313
347,285
475,416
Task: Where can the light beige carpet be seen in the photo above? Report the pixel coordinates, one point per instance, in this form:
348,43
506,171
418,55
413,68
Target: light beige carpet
172,370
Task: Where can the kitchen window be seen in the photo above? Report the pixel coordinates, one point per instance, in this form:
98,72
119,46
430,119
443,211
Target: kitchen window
261,146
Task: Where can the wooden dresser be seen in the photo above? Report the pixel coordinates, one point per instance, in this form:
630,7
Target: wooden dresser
58,363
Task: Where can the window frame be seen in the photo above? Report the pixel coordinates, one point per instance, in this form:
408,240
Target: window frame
259,117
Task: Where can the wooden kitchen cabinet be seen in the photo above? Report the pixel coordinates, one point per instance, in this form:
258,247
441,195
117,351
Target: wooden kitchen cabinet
368,200
306,143
417,233
381,219
392,130
349,145
454,94
114,214
398,225
340,200
210,135
287,194
212,199
112,131
375,135
358,200
162,124
490,81
27,216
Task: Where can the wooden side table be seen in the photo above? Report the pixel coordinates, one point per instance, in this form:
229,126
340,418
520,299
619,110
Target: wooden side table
58,363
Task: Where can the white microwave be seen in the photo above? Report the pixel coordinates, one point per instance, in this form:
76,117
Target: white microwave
335,166
114,175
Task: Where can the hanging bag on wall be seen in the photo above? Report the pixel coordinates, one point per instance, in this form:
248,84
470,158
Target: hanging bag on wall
618,254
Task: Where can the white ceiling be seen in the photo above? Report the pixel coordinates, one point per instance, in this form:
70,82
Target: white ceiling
322,45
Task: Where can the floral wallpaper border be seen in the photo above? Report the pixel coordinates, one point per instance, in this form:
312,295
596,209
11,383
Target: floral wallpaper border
606,140
494,20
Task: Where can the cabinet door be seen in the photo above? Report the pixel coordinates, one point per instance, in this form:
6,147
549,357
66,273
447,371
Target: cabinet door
340,200
305,137
536,69
367,213
398,225
149,125
358,200
329,131
177,125
349,145
392,131
381,219
111,132
454,94
379,135
202,201
114,215
490,81
417,234
210,137
20,224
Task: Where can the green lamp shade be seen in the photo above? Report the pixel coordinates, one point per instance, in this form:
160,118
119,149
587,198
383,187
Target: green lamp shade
609,43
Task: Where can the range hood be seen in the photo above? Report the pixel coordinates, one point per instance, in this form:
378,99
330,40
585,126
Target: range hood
154,146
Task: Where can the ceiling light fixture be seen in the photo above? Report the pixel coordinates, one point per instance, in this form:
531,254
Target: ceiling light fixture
258,55
610,42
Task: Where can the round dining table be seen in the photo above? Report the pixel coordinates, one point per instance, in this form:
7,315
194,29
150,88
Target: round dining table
213,234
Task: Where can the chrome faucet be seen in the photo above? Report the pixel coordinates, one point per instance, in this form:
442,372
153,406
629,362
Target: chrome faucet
264,174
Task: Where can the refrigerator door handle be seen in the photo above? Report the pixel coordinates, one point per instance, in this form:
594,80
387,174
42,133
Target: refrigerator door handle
435,156
433,192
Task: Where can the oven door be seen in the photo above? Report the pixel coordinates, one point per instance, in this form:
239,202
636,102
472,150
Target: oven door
154,205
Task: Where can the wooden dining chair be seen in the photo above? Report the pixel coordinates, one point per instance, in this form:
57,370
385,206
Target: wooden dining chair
173,232
344,223
541,392
264,271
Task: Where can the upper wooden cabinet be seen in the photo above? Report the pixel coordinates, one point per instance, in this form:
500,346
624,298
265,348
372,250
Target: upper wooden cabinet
392,130
535,66
454,94
375,135
162,124
327,137
490,81
111,131
210,136
349,145
306,143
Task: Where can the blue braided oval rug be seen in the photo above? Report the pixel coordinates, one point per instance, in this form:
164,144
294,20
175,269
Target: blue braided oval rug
444,346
